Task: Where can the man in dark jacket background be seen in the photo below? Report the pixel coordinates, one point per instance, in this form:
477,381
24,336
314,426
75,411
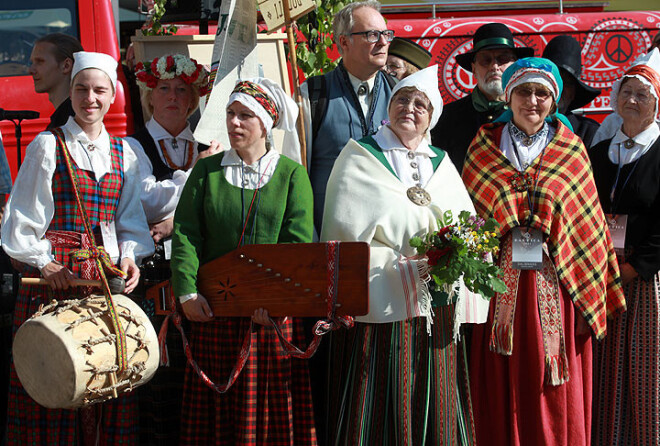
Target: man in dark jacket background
566,53
492,52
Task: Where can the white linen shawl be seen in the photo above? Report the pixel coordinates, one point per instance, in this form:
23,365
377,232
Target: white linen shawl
366,202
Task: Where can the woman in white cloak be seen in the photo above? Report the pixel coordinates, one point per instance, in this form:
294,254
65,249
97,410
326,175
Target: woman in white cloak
394,375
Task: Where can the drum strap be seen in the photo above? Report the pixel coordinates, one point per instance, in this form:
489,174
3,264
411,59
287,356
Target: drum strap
333,322
100,256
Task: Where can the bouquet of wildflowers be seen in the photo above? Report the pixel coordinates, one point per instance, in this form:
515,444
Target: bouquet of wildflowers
463,248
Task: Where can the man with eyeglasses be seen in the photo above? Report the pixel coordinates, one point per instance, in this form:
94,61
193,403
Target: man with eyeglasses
493,50
351,100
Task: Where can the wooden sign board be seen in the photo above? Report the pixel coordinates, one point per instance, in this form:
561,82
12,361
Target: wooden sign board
273,11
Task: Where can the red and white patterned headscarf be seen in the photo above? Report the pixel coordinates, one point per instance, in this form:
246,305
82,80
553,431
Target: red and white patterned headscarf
268,101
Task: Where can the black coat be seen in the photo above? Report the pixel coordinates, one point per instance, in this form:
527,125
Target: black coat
638,198
583,127
457,127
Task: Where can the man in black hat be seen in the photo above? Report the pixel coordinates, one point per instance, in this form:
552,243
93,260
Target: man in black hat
566,53
492,52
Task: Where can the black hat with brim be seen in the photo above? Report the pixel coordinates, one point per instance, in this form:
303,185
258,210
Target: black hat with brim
410,52
566,53
492,36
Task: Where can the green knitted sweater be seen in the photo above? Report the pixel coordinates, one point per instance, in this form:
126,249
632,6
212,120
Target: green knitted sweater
208,219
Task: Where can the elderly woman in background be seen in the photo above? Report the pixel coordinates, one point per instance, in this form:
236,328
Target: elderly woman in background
394,376
405,57
627,173
531,363
249,194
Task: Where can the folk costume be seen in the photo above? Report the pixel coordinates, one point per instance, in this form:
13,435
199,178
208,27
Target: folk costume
42,223
531,363
270,402
393,376
462,118
627,394
165,162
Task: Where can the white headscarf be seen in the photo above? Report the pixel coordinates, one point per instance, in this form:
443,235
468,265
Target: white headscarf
650,59
83,60
426,81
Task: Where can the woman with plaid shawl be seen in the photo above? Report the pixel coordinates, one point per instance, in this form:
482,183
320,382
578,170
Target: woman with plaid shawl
249,194
627,173
531,363
43,229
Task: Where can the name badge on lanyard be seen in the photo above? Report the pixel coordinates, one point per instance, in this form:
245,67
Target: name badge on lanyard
167,246
527,248
617,225
109,235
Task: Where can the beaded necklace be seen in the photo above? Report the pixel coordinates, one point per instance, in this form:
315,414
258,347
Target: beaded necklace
170,163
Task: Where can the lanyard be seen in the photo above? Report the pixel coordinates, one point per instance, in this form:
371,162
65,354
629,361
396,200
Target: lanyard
530,202
613,203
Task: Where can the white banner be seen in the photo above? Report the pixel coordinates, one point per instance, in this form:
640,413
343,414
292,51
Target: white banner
234,57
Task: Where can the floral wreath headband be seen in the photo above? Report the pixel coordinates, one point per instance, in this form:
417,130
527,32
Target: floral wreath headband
169,67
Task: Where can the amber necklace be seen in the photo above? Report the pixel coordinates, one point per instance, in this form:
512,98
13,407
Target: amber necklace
168,160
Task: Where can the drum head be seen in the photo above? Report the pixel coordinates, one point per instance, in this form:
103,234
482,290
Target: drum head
44,365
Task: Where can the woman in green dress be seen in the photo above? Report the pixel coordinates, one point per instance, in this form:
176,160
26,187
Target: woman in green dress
249,194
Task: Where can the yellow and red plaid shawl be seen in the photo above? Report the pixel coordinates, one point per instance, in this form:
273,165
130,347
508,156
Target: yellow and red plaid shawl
567,210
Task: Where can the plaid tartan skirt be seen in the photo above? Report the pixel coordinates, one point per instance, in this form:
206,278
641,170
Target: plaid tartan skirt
270,402
393,384
627,370
31,424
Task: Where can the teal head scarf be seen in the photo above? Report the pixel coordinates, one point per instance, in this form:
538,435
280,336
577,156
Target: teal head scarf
538,70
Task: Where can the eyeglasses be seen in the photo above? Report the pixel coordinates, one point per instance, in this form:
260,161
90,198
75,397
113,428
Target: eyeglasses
394,69
420,106
373,35
486,59
643,97
542,94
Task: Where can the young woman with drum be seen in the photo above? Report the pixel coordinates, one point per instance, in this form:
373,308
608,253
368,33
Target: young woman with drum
43,228
249,194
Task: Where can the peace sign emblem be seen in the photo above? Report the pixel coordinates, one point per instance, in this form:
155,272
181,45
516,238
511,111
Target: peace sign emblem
619,48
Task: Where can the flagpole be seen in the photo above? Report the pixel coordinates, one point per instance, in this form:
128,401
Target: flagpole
296,82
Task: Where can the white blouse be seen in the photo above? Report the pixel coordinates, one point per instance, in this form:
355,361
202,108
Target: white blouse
527,154
413,167
249,176
159,198
643,142
31,206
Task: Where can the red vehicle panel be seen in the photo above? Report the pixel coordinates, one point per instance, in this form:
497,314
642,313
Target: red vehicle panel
610,42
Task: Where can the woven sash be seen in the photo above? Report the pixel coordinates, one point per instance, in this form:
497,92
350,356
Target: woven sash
547,295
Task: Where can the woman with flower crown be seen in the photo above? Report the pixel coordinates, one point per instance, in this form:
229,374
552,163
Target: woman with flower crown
531,363
171,88
249,194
